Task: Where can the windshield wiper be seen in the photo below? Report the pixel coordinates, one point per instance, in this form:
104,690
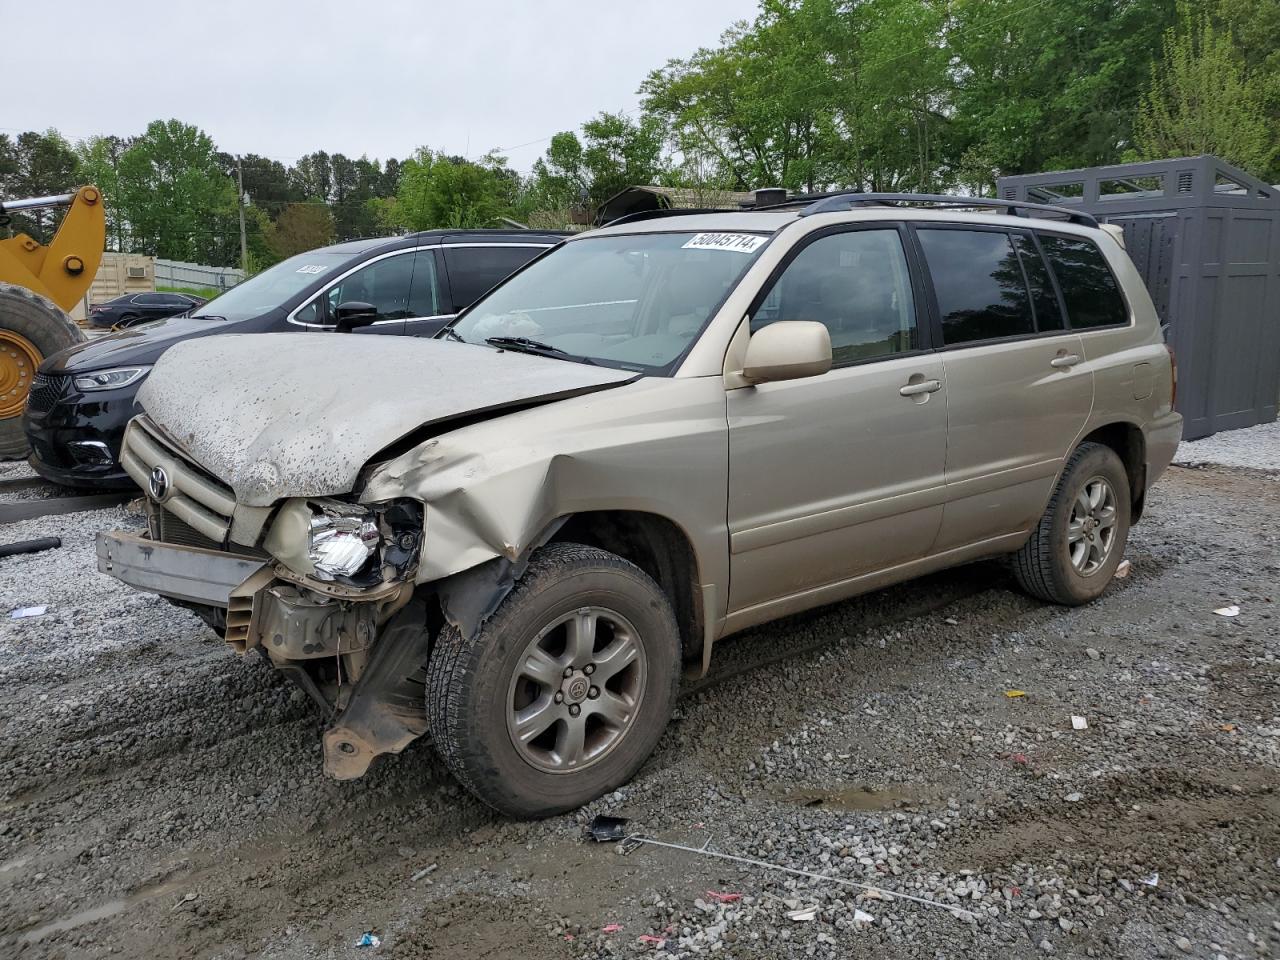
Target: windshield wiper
536,347
452,335
205,316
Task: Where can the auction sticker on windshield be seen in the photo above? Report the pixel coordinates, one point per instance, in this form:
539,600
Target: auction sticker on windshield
312,268
735,242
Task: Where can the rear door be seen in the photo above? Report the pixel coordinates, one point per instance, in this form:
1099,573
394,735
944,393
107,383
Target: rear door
476,268
1018,393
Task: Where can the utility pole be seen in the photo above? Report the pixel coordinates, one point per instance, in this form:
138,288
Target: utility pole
244,243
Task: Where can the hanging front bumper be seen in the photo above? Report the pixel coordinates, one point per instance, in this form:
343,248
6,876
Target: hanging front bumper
183,573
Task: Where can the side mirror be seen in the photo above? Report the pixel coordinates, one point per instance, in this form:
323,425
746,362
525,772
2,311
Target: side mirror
353,314
787,350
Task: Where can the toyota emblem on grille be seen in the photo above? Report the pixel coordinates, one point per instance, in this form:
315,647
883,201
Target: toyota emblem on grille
158,484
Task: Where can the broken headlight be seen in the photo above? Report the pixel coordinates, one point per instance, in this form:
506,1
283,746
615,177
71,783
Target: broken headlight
344,537
355,544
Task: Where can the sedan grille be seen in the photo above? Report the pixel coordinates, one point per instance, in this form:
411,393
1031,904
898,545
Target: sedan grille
45,392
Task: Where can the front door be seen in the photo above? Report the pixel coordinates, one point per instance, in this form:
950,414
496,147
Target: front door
836,476
1018,388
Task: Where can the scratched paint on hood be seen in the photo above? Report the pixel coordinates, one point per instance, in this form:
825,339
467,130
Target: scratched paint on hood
288,415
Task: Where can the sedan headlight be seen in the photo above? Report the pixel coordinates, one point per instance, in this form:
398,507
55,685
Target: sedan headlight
110,379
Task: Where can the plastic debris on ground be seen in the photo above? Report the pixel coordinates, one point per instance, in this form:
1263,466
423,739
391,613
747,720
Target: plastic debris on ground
1152,881
724,897
611,928
650,938
1122,571
1014,694
607,829
802,915
23,612
369,940
1227,727
1079,723
1231,611
423,872
860,916
951,622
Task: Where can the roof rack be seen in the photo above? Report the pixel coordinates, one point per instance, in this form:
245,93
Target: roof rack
1015,208
669,212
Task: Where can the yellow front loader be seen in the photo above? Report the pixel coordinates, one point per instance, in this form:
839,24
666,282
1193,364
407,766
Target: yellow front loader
38,285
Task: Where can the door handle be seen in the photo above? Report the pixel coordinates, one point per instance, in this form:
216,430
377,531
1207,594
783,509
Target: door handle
1063,360
924,386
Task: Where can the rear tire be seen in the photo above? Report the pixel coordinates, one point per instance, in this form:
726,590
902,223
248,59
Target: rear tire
39,329
1080,540
585,642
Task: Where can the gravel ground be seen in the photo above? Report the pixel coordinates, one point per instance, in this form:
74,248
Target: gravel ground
161,797
1254,448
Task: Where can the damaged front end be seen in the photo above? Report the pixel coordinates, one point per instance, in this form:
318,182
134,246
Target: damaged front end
323,588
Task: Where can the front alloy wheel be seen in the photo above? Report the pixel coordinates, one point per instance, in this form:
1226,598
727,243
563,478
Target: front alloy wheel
564,692
576,690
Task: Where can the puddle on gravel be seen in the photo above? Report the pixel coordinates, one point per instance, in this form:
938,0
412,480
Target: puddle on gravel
849,798
100,912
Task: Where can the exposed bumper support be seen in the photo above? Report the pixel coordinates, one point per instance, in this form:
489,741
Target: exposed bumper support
184,573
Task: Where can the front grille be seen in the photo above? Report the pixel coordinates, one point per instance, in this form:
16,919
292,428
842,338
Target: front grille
169,529
193,496
45,392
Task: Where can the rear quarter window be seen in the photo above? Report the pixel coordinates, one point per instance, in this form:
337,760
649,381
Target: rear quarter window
1089,288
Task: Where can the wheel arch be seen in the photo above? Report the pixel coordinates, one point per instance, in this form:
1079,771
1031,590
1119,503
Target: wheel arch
662,549
1129,444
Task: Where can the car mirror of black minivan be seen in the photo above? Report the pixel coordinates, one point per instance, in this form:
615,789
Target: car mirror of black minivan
353,314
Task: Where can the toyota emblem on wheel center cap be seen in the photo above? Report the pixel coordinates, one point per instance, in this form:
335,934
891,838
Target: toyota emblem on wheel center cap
158,484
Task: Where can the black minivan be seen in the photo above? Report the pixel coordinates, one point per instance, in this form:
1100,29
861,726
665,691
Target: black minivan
82,397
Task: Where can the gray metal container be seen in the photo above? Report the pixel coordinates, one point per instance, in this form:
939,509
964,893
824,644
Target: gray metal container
1206,238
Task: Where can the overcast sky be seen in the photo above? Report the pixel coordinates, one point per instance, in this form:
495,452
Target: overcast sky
379,77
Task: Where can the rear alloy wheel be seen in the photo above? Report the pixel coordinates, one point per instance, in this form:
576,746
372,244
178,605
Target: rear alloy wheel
564,692
1080,540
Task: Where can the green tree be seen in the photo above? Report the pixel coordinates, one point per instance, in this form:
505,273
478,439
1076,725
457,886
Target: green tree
176,198
1047,86
37,164
440,191
300,227
1201,100
760,107
98,162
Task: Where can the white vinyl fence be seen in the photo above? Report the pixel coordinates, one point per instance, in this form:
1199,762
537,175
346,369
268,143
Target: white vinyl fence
174,273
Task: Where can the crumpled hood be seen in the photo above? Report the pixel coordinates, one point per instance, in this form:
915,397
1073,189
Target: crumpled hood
289,415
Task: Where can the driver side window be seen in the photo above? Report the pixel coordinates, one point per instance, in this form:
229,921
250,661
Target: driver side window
857,285
384,283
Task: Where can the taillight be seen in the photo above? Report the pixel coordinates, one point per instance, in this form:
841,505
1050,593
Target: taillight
1173,371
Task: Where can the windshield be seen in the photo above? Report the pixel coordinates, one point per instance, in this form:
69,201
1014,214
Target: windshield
636,301
272,287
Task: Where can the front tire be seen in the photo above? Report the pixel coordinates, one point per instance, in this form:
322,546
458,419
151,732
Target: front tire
564,691
1080,540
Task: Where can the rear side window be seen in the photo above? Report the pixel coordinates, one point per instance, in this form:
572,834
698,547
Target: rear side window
1043,297
475,270
978,282
1088,286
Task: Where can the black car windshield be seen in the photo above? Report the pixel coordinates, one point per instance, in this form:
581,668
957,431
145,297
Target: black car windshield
272,287
636,301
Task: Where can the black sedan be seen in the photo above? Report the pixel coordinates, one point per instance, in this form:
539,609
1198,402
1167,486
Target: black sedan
132,308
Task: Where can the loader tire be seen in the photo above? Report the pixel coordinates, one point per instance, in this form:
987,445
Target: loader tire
32,327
